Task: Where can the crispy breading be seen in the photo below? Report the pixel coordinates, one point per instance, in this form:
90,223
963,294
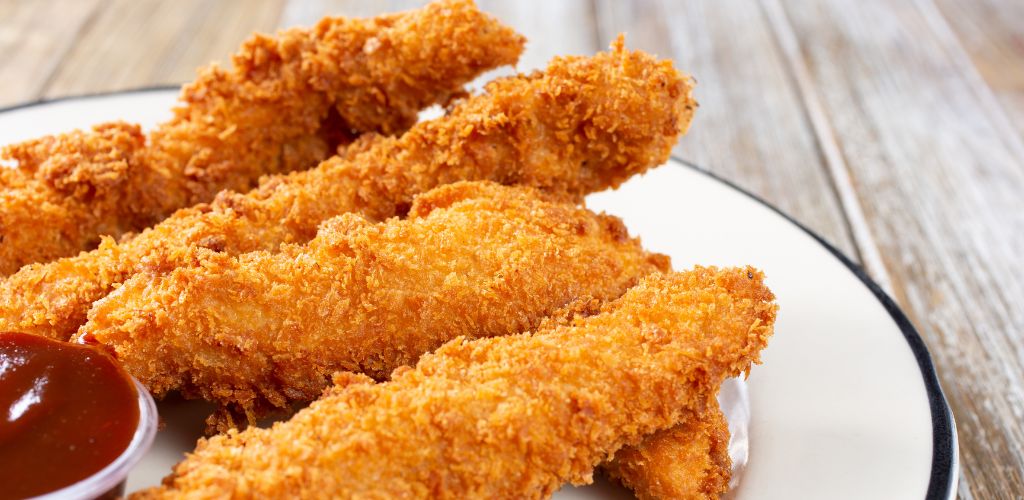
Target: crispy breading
504,417
282,106
582,125
269,329
687,462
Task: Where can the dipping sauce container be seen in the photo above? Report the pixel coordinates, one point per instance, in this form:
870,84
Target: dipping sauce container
72,421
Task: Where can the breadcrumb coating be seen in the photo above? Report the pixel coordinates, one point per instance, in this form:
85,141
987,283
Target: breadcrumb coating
284,105
582,125
503,417
269,329
687,462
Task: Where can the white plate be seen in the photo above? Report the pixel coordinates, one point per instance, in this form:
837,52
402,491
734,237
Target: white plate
846,405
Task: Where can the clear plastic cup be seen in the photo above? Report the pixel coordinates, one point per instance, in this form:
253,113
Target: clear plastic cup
109,481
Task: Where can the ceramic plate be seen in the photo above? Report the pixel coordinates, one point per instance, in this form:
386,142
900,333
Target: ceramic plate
846,404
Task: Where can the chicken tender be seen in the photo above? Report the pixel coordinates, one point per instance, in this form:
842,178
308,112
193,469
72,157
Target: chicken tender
582,125
505,417
687,462
269,329
283,106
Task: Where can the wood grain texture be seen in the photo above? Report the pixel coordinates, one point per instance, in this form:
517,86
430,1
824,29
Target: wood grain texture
35,38
216,29
863,238
941,185
140,43
751,126
992,33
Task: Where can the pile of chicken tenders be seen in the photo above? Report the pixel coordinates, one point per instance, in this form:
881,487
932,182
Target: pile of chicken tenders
428,304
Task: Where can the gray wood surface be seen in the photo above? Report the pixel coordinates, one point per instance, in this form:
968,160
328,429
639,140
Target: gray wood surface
894,128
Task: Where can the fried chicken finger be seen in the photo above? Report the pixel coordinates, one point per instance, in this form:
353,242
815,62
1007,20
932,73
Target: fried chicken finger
278,109
269,329
582,125
689,461
515,416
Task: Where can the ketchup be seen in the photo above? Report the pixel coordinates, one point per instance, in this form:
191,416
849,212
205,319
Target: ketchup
66,412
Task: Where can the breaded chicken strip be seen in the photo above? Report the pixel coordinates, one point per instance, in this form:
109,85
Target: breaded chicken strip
274,111
687,462
269,329
582,125
505,417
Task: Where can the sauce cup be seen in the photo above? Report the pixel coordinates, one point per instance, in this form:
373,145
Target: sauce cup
109,482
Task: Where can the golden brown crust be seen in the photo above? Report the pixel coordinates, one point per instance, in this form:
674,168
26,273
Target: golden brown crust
502,417
268,329
687,462
582,125
269,113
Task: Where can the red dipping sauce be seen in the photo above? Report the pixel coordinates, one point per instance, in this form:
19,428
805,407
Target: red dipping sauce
66,412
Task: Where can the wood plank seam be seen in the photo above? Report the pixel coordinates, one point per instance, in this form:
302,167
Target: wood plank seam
595,16
842,183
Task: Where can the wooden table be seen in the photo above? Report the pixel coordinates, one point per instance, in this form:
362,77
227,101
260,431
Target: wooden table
893,128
